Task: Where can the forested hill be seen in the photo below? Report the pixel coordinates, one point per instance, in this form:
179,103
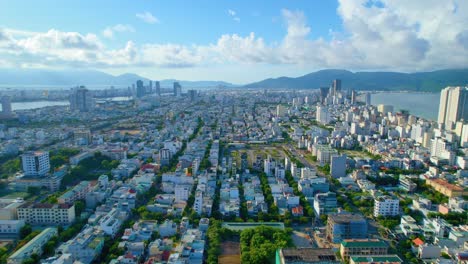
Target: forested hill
422,81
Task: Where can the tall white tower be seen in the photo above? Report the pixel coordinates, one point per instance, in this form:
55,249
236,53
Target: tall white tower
453,106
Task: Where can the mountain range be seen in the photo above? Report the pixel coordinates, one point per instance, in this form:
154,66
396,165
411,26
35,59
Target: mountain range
422,81
89,78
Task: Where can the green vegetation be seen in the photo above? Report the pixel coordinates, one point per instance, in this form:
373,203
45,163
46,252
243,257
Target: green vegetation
398,171
25,231
90,169
9,167
49,248
389,222
259,245
429,193
273,212
373,156
111,248
72,230
61,157
453,218
403,248
308,211
4,253
317,124
286,136
354,201
205,163
188,210
197,129
384,181
325,169
26,239
216,234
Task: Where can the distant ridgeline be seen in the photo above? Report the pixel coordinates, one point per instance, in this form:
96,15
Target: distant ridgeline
390,81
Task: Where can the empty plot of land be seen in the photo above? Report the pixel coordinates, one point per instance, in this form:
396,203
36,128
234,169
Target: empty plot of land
230,253
355,153
230,248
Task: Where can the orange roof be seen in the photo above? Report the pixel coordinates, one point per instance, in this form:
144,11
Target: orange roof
418,242
447,185
297,210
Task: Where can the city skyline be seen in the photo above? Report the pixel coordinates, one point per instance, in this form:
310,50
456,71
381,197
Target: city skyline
249,41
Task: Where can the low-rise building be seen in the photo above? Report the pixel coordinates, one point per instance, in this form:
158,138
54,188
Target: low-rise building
111,223
76,193
32,247
306,255
44,213
11,226
446,188
386,259
85,247
362,247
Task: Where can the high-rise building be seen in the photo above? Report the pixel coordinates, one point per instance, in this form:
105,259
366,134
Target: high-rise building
345,226
384,109
368,98
325,203
193,94
322,115
81,100
157,87
338,166
140,89
323,93
353,97
280,110
150,87
6,106
386,206
35,163
336,86
453,106
177,89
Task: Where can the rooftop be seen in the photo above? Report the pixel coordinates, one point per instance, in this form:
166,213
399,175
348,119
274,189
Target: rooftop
31,205
241,226
447,185
345,217
364,243
377,259
303,255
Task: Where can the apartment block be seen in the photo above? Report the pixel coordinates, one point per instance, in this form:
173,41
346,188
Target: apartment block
49,214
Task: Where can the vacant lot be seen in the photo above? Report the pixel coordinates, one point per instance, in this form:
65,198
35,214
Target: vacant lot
230,253
356,153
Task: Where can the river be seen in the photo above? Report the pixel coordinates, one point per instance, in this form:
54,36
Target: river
44,103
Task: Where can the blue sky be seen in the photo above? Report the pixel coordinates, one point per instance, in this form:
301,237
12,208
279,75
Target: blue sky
184,22
236,41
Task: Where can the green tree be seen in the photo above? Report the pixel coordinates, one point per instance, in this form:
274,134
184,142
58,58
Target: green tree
33,190
25,231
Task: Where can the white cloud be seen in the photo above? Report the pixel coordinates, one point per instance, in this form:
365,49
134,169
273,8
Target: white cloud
147,17
233,14
390,35
109,32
